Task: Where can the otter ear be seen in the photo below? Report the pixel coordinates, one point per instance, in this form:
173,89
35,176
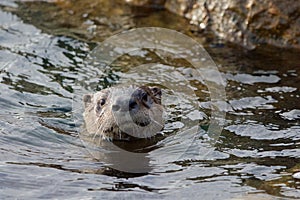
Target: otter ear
156,91
87,99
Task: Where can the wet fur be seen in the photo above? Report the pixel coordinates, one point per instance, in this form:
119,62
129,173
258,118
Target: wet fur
101,121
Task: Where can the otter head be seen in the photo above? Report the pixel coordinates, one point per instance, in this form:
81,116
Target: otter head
124,113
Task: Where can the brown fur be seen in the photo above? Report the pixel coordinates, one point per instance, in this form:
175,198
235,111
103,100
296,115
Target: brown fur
124,113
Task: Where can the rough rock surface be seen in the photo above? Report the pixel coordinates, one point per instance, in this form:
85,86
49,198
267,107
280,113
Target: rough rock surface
249,22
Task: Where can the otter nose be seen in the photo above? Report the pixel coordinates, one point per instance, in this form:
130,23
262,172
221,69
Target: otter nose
125,105
133,104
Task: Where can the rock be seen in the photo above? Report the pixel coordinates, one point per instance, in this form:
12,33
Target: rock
296,175
146,2
248,23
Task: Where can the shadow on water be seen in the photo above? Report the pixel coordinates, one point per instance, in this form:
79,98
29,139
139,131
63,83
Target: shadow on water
42,50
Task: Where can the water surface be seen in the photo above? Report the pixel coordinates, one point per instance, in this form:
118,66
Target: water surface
41,155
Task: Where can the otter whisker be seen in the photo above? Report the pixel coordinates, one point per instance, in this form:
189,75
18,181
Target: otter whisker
98,131
156,122
120,136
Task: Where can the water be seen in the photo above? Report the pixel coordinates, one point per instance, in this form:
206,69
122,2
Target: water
43,68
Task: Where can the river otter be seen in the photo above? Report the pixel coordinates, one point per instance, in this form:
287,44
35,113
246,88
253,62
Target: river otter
124,113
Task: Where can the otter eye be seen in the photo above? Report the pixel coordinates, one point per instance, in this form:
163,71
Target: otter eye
102,102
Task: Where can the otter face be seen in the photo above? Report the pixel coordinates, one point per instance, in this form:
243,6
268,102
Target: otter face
124,113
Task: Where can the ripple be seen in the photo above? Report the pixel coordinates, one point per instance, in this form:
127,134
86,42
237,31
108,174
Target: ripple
291,115
278,89
253,103
251,79
261,132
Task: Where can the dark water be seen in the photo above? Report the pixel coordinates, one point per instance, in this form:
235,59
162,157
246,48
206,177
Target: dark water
41,155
